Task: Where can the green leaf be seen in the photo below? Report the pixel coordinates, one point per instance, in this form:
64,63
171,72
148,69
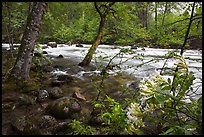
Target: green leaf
98,105
168,87
160,98
169,80
168,131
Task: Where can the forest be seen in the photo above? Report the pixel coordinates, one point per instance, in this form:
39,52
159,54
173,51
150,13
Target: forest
101,68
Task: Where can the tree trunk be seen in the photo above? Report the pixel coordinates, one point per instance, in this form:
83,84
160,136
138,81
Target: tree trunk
23,62
184,43
147,18
156,35
86,61
188,30
156,16
166,6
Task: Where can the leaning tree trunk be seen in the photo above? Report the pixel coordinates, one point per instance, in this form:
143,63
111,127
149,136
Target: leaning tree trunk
103,13
23,62
86,61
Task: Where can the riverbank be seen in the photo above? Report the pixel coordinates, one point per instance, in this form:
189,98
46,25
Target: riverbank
24,107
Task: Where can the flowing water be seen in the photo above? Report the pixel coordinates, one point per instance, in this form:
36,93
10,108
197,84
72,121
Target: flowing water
128,63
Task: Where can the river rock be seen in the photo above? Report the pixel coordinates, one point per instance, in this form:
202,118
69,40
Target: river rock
56,92
27,99
24,125
44,52
62,127
8,106
66,78
69,43
134,85
58,67
34,125
78,96
37,54
79,45
96,119
44,47
47,68
64,107
57,83
135,46
52,44
60,56
47,121
42,95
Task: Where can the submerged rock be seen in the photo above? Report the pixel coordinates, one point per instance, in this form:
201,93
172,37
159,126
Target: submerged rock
79,45
65,78
60,56
64,107
57,83
134,46
61,79
44,52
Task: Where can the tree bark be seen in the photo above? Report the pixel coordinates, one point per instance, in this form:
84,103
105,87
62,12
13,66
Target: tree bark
23,62
166,6
188,30
156,34
156,16
86,61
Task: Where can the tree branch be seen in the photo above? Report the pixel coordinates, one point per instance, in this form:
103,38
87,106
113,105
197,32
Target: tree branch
185,19
97,9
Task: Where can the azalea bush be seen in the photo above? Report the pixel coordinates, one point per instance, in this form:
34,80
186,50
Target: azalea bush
162,106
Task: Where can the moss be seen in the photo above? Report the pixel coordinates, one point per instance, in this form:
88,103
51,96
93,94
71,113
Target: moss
20,85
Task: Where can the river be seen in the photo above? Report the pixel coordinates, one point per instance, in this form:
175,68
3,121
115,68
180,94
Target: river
130,64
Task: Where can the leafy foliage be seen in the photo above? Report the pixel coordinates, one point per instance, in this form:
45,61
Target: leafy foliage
128,23
79,129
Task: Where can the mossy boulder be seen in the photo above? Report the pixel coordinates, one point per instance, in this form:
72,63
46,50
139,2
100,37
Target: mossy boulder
56,92
34,125
25,126
64,107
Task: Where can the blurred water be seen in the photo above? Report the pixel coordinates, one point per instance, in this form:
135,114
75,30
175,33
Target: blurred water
130,65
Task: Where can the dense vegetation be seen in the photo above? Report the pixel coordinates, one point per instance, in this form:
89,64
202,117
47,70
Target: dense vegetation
150,23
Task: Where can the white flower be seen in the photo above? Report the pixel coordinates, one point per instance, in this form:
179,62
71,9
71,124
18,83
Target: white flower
133,113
